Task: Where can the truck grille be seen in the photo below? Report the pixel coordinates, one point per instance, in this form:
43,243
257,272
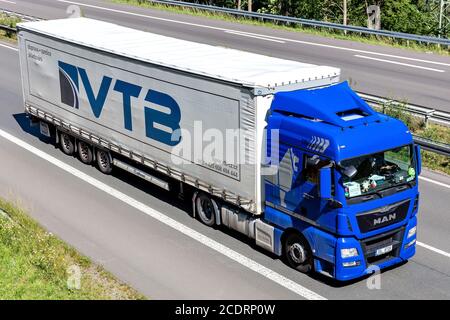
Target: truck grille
371,245
382,217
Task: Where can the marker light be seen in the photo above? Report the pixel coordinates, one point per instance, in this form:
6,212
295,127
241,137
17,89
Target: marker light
349,252
411,243
351,264
412,232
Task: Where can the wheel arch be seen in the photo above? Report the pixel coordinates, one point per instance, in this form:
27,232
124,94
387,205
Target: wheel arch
287,232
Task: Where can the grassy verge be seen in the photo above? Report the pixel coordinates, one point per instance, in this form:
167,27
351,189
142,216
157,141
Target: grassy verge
35,264
325,32
10,22
434,132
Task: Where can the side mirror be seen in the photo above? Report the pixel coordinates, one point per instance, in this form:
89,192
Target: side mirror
418,159
312,161
325,183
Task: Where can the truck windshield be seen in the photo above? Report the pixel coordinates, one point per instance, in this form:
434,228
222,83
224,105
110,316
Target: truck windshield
373,173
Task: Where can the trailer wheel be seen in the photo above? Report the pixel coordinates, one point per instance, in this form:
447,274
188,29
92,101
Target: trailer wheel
67,144
104,161
297,253
205,210
85,152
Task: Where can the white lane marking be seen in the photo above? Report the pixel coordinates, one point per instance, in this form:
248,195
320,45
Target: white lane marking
233,255
398,63
8,47
426,246
12,2
256,34
243,34
435,182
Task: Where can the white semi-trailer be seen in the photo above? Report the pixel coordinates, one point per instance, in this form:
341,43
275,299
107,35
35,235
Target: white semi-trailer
157,107
132,89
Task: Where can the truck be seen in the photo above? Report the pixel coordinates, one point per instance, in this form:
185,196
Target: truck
278,150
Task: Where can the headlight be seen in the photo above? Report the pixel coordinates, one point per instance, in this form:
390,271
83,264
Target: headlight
349,252
412,232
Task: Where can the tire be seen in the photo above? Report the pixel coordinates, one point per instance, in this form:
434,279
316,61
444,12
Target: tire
205,210
104,161
85,152
297,253
66,143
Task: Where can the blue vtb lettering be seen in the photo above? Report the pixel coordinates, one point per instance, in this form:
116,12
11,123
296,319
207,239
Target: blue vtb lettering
170,120
96,102
128,90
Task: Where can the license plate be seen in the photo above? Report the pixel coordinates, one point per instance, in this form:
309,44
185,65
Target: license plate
45,130
383,250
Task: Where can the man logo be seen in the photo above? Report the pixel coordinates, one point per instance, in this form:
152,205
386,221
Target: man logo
387,218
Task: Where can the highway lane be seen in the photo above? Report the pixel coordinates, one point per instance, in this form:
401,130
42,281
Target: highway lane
420,78
164,263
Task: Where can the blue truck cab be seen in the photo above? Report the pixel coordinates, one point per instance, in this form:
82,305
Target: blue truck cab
345,196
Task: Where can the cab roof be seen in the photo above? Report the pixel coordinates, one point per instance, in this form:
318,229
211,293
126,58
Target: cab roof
337,105
335,122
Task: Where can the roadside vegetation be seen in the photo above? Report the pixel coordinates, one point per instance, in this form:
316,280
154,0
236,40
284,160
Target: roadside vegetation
407,17
11,22
431,131
35,264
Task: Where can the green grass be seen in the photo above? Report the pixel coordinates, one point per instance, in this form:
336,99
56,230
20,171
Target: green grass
35,264
325,32
10,22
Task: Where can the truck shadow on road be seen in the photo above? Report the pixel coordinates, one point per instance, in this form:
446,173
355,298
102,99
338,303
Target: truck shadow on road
184,204
24,123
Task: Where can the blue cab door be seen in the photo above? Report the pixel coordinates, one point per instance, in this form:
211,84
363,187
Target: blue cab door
295,186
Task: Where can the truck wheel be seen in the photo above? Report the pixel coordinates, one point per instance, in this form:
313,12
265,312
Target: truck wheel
67,144
104,161
85,152
297,253
205,210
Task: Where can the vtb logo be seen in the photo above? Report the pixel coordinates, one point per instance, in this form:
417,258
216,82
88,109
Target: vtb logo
166,123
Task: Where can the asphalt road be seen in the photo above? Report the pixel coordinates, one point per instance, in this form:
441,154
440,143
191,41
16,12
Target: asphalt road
420,78
166,262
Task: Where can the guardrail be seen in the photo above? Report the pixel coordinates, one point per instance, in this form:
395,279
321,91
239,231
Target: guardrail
428,114
8,29
433,146
307,22
437,116
22,16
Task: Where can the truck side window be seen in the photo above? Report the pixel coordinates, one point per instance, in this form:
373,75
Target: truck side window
311,171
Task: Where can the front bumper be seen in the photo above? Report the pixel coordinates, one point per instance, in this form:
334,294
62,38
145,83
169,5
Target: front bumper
369,258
